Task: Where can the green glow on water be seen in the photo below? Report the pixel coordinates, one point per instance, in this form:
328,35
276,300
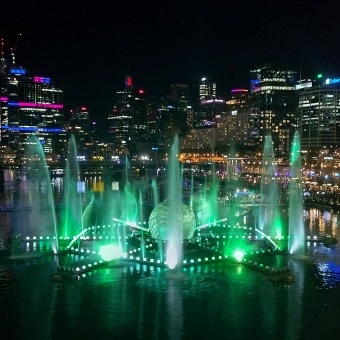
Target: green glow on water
238,254
278,225
110,252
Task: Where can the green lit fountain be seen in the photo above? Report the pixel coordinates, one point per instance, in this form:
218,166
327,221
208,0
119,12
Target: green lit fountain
172,220
296,227
269,216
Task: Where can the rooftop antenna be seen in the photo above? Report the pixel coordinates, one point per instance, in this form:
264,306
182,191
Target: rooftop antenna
2,56
14,49
300,74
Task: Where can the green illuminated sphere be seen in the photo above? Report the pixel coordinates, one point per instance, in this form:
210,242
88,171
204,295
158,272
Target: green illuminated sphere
167,222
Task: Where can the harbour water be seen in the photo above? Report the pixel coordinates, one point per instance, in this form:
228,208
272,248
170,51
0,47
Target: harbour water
127,300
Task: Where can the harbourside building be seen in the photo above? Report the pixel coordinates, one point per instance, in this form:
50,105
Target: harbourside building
319,114
31,104
273,104
233,129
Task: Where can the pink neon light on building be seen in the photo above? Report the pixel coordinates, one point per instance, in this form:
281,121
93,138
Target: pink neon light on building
239,90
47,106
41,79
3,99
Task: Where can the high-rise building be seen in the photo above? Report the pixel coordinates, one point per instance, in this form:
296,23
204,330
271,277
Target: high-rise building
172,116
207,89
209,111
180,95
201,139
121,120
239,100
30,104
151,117
273,103
319,114
128,121
209,106
81,128
233,129
143,140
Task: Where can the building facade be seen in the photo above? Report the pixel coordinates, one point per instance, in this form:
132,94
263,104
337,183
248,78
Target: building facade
208,104
319,115
121,120
233,129
207,89
209,111
273,104
81,128
31,105
200,140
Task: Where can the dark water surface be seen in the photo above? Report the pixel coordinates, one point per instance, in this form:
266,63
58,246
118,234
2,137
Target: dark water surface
211,301
219,301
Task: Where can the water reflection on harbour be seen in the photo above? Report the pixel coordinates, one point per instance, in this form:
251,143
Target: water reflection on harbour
214,301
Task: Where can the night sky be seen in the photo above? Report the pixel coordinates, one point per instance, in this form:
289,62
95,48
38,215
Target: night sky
88,49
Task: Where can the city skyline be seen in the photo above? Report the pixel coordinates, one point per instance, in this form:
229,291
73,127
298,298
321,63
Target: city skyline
90,50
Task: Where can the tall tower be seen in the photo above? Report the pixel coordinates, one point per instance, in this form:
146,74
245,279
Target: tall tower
80,127
208,105
207,89
319,114
29,104
121,120
273,103
172,116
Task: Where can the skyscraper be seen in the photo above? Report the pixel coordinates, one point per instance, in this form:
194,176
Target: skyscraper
239,100
319,114
30,104
273,102
207,89
209,106
80,127
121,120
172,116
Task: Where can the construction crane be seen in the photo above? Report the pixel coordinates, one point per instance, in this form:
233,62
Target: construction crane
14,49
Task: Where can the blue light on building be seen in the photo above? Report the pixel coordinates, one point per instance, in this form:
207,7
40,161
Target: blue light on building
17,71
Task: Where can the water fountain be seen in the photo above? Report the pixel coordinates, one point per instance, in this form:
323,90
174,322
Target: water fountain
269,217
296,227
72,221
41,218
172,223
172,220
